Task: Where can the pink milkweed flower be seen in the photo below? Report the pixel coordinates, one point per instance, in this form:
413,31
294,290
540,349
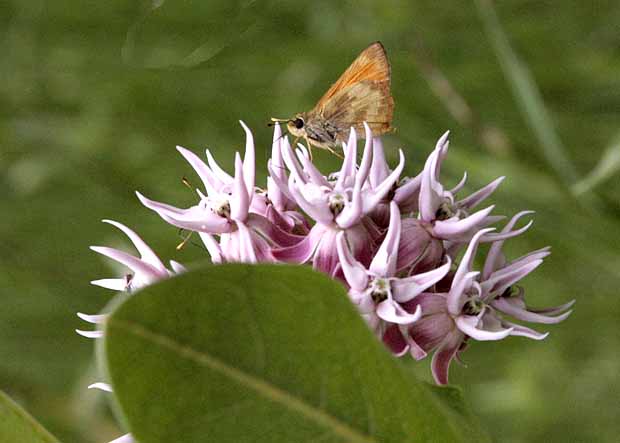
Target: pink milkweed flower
467,310
228,209
336,205
147,269
448,218
376,290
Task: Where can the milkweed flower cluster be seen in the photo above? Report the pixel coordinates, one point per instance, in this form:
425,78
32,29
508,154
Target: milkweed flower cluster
403,247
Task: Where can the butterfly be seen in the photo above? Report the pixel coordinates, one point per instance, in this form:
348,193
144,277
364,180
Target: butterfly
361,94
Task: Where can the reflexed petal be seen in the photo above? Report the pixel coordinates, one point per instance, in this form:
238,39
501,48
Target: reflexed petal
522,331
405,289
146,271
458,292
90,334
248,161
365,164
246,245
319,212
372,198
212,247
384,262
352,211
116,284
271,232
292,163
431,191
394,340
431,330
177,267
443,357
101,386
194,218
313,173
459,185
217,170
303,251
348,168
498,283
455,229
470,254
553,310
494,258
95,319
468,325
353,270
127,438
475,198
240,200
146,253
379,168
512,307
391,312
210,181
407,194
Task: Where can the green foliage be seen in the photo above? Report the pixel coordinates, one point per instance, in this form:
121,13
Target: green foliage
242,353
16,425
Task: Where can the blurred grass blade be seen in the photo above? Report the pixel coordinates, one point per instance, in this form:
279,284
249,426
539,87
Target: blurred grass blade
527,95
608,165
17,426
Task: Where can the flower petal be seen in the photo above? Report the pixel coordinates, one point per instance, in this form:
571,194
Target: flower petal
442,358
467,324
146,253
391,312
249,161
405,289
354,272
511,307
384,262
455,229
211,182
116,284
481,194
394,340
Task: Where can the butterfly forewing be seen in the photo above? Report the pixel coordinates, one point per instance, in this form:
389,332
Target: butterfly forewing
372,64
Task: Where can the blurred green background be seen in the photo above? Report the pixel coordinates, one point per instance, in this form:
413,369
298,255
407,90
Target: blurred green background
95,95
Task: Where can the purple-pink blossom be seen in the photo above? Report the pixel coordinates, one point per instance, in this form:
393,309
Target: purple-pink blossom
394,241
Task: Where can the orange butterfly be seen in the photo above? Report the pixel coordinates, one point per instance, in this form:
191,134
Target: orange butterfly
361,94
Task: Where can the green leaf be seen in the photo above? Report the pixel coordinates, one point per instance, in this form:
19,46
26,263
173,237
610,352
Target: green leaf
264,353
16,425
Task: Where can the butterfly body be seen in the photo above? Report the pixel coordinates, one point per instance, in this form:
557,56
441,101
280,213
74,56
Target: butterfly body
361,94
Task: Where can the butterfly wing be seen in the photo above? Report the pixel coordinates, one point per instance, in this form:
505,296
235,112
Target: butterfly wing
362,93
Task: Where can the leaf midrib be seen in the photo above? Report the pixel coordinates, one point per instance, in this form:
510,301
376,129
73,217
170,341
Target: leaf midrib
258,385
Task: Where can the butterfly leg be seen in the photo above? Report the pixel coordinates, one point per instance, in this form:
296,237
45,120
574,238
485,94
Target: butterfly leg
337,154
309,146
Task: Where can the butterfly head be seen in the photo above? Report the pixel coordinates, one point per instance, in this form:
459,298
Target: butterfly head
297,125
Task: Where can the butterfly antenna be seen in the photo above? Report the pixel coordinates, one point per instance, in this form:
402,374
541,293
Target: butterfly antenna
278,121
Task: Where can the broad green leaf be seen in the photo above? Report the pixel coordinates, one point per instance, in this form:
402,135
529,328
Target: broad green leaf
265,353
16,425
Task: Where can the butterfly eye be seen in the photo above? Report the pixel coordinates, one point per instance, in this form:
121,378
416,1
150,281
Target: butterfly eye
299,123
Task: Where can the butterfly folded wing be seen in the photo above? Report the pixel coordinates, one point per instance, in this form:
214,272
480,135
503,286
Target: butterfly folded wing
365,101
